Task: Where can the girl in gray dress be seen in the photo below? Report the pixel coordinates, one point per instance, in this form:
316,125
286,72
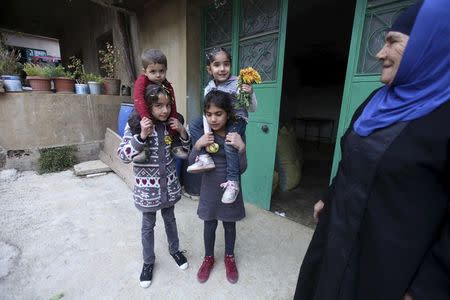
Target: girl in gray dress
218,111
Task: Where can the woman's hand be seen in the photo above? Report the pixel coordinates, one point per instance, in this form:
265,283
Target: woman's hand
146,127
175,124
247,88
317,209
204,141
235,140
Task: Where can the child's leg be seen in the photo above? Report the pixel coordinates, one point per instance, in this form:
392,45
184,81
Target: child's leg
230,237
204,161
232,184
230,262
177,146
148,236
231,153
209,236
170,224
196,129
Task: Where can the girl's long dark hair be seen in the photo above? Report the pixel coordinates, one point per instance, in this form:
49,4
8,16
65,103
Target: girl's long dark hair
220,99
152,92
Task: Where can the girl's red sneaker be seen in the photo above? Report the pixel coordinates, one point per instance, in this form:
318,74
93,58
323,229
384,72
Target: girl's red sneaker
231,269
205,268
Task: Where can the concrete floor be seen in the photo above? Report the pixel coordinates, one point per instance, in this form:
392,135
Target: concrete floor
80,237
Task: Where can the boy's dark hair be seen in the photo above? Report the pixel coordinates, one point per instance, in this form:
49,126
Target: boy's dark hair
220,99
152,92
153,56
211,54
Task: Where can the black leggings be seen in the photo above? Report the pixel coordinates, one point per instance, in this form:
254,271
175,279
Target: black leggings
209,236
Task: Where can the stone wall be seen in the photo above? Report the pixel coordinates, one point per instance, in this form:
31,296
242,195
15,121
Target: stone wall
31,121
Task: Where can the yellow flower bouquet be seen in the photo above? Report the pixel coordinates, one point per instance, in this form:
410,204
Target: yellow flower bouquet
246,76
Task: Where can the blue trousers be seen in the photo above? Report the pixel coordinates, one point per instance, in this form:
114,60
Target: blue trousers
236,125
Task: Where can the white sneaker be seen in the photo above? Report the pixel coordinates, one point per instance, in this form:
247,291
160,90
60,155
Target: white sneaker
203,162
231,191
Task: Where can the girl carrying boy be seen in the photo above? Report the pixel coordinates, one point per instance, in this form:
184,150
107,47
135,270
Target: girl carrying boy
156,183
219,112
219,67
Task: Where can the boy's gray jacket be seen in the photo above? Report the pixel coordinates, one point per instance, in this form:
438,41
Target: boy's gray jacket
230,86
156,184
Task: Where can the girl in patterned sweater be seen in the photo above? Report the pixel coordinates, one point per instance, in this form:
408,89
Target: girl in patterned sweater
156,184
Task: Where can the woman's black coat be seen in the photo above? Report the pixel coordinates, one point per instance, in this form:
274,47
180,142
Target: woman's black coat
385,228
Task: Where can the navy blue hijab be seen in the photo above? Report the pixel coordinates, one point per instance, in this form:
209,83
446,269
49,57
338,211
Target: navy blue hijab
422,82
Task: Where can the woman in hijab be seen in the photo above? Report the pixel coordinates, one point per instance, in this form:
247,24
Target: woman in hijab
384,224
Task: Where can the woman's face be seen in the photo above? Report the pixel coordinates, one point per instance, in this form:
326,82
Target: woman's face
220,68
216,118
161,109
391,55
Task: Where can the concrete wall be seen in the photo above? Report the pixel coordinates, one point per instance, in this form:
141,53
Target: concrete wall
162,25
29,121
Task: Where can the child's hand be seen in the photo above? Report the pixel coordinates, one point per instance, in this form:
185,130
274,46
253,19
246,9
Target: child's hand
247,88
146,127
235,140
175,124
205,140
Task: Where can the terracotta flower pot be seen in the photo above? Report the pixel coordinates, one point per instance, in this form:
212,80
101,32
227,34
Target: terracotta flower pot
39,83
111,86
64,85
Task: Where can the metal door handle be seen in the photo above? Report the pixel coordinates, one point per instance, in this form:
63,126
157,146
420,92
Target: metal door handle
265,128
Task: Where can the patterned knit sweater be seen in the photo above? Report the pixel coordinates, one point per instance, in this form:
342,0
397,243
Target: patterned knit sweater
156,183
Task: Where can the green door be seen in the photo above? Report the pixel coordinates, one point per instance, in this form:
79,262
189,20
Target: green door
372,18
255,33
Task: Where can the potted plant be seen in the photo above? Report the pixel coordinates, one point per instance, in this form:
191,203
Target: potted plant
109,60
38,76
76,67
95,83
62,79
9,68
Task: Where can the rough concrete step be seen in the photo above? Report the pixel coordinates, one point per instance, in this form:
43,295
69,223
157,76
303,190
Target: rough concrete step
91,167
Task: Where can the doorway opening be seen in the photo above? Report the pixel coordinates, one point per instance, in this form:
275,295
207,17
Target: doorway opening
317,46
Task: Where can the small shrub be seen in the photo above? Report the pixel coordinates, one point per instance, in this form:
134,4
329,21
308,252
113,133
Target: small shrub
76,67
109,60
56,159
37,70
59,71
93,77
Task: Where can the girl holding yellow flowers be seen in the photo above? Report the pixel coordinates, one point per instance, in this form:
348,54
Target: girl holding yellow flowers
243,100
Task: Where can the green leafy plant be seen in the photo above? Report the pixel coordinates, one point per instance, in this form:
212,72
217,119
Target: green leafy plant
9,64
76,67
93,77
37,70
59,71
109,60
56,159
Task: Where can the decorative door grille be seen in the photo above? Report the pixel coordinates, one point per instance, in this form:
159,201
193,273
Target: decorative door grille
380,15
